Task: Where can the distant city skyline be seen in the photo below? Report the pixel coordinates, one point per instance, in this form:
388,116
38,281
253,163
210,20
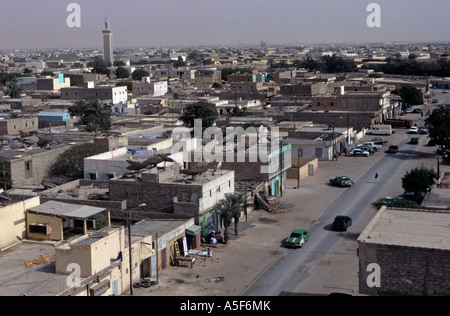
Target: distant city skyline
42,24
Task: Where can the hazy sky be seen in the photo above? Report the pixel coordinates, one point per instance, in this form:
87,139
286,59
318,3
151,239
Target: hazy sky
155,23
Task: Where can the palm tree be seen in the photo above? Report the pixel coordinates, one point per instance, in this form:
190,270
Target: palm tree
96,117
226,211
231,208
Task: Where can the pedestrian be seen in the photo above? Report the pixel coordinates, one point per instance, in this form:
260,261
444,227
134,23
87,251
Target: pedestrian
377,177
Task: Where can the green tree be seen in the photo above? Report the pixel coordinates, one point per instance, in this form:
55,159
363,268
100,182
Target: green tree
335,64
230,208
77,65
47,73
122,73
99,66
225,209
93,114
139,73
97,117
396,202
438,125
78,108
13,90
419,180
179,63
228,71
200,110
238,112
127,84
411,95
70,163
119,63
312,64
5,174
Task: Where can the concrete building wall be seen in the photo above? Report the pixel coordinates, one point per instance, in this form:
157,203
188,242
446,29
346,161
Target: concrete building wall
160,194
208,76
246,86
116,94
55,224
30,169
405,270
13,221
15,126
351,102
92,257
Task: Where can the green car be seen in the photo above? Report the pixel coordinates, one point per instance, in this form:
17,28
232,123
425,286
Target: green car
414,140
297,238
370,149
341,181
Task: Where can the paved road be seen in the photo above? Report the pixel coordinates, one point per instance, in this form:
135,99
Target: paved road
285,275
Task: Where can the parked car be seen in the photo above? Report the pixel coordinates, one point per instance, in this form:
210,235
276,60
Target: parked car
409,195
408,110
414,140
376,146
341,181
341,222
392,149
297,238
445,91
368,148
379,141
359,152
413,130
417,111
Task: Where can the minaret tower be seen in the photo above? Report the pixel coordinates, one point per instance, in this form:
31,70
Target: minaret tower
107,44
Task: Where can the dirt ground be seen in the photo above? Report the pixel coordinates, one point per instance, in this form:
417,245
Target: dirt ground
235,266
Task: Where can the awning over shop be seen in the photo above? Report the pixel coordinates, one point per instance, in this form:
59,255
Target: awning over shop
193,230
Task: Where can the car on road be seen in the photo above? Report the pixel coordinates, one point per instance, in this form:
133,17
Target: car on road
414,141
297,238
423,130
357,152
413,130
445,91
341,222
392,149
379,141
409,110
341,181
417,111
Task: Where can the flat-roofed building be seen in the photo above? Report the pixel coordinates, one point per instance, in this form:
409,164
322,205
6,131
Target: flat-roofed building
405,252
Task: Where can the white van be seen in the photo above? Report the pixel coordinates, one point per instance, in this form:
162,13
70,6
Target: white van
380,130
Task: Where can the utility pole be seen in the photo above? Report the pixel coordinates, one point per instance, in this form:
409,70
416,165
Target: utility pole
130,256
157,260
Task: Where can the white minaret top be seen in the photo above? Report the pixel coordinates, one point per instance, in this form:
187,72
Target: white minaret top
106,24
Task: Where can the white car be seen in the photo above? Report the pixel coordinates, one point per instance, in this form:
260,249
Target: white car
359,152
373,145
413,130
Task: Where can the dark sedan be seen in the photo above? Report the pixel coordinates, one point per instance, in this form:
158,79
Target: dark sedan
342,223
341,181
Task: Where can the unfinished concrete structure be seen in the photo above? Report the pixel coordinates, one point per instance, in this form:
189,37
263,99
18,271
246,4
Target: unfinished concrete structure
166,193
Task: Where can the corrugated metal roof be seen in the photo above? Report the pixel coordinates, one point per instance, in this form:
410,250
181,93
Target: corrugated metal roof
56,208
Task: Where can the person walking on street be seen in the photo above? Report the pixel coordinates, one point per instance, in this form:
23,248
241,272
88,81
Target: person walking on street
377,177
